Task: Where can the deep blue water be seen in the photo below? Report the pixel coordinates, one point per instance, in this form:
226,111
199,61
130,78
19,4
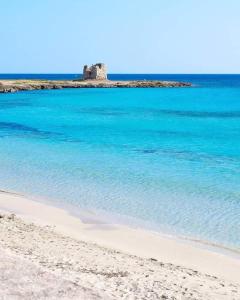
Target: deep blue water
165,158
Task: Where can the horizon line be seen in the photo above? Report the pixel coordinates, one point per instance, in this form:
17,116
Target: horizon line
122,73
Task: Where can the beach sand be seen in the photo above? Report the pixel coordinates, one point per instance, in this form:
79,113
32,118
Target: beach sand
46,253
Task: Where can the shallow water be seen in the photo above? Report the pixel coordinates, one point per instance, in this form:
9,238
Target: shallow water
168,159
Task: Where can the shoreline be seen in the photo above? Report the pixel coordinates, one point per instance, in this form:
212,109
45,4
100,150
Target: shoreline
105,218
143,243
12,86
112,220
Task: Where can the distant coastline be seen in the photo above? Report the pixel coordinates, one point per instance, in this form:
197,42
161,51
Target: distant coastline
11,86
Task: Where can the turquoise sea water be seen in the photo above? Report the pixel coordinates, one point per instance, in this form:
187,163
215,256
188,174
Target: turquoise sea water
168,159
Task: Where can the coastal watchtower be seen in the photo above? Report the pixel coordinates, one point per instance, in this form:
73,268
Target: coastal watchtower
95,72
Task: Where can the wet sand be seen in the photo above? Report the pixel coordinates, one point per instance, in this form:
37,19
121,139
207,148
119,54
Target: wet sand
46,253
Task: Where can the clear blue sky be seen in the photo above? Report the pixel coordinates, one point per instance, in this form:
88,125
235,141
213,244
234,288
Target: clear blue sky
131,36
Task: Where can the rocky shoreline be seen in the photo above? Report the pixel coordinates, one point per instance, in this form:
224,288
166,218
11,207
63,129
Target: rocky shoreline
11,86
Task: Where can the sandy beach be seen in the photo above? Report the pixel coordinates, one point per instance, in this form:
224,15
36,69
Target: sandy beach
46,253
119,150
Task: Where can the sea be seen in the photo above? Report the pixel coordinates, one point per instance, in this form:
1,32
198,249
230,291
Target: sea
163,159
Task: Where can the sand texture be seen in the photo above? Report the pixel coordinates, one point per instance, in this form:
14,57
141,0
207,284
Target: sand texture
23,279
39,263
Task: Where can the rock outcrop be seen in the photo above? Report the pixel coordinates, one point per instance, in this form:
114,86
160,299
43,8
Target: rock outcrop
10,86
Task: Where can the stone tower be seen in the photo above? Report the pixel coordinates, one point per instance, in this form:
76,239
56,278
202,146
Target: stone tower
95,72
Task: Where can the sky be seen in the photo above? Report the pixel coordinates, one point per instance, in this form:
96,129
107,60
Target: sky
130,36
